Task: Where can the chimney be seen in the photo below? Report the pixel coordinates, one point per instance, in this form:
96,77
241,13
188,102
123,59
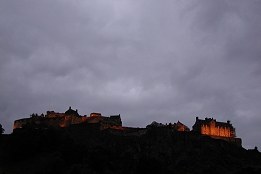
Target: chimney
196,118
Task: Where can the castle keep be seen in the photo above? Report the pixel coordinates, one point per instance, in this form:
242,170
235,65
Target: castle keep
70,117
211,127
215,129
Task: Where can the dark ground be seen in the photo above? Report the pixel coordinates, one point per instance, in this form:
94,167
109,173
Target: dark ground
87,150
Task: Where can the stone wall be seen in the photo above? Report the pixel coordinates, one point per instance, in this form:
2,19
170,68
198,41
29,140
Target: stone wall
216,131
58,120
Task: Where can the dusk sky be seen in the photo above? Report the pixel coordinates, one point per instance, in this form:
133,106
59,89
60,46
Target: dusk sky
148,60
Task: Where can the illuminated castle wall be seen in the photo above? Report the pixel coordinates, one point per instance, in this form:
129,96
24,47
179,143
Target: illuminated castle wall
217,130
70,117
211,127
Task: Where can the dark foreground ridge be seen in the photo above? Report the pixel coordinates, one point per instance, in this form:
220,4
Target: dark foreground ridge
77,150
104,146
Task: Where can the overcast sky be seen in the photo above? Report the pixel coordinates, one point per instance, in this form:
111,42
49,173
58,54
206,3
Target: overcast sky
147,60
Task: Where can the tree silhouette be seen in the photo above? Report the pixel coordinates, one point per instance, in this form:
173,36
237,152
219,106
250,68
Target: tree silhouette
1,129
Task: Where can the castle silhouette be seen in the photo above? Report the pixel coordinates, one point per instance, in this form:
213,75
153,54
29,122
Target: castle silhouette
207,127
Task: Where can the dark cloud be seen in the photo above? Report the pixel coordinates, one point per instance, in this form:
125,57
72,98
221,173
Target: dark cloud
148,60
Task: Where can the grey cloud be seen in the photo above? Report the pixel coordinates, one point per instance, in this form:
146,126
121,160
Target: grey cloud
147,60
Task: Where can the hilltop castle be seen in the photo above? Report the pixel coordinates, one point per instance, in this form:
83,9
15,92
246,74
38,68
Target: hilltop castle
70,117
215,129
208,127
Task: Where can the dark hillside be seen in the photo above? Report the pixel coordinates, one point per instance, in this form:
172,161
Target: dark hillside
88,150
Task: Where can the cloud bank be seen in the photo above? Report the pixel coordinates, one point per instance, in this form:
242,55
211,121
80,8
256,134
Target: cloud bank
147,60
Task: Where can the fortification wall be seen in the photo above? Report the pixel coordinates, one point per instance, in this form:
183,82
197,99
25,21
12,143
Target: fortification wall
70,117
217,131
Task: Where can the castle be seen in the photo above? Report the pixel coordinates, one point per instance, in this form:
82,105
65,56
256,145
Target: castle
207,127
215,129
70,117
211,127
